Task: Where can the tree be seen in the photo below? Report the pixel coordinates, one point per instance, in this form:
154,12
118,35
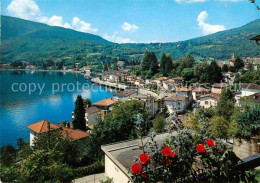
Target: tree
239,64
87,102
201,72
169,64
20,143
248,123
187,61
162,64
145,64
159,123
188,75
79,121
219,127
225,68
214,73
154,67
225,105
105,67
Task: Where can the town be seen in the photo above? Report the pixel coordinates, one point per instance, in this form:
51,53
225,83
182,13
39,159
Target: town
130,91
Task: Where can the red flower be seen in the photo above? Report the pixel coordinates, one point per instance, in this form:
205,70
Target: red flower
168,162
167,152
136,169
201,148
144,158
144,175
210,142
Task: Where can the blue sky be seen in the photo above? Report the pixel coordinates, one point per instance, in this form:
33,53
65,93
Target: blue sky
137,20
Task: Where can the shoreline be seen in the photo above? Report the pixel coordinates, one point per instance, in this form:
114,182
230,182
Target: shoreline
41,70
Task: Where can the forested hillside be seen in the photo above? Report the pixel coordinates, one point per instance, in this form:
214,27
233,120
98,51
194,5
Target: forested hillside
24,40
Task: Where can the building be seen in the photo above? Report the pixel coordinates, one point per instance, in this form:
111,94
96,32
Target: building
45,126
160,80
125,94
217,87
92,115
199,91
179,102
255,97
150,102
183,91
250,89
120,156
209,100
232,60
105,106
171,83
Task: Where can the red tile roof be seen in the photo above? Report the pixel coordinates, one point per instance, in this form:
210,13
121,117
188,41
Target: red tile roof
126,93
42,126
211,95
92,110
252,86
74,134
106,102
175,97
182,89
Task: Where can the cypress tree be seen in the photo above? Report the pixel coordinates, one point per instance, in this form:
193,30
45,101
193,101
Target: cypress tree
79,121
145,64
154,67
169,64
162,64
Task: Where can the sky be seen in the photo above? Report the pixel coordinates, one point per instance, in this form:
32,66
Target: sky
137,21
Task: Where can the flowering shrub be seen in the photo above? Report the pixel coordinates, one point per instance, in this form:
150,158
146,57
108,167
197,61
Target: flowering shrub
185,156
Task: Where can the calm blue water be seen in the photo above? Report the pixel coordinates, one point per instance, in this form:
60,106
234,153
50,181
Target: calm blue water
19,108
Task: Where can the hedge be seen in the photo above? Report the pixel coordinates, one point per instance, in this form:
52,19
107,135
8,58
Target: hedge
97,167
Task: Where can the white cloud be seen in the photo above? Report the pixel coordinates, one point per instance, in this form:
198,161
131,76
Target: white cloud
25,9
82,26
190,1
117,39
129,27
206,27
29,10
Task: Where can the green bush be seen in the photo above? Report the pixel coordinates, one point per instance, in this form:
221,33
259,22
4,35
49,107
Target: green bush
97,167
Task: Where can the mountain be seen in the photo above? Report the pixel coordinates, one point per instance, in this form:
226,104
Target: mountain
15,27
24,40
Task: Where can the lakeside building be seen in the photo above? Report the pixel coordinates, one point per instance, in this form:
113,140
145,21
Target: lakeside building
177,101
199,91
209,100
105,106
125,94
45,126
91,116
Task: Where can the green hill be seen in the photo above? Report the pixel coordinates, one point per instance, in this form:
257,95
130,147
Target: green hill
24,40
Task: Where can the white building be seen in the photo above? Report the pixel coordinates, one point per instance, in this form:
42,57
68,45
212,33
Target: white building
209,100
197,92
91,116
125,94
179,102
183,91
45,126
120,156
250,89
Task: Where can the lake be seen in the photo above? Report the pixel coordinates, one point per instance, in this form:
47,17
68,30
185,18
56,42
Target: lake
28,97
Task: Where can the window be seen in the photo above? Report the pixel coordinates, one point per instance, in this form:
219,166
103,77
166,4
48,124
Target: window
206,103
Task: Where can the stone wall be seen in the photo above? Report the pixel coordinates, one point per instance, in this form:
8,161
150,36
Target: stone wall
245,149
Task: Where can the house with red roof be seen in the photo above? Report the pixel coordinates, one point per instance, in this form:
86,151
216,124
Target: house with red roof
45,126
177,102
